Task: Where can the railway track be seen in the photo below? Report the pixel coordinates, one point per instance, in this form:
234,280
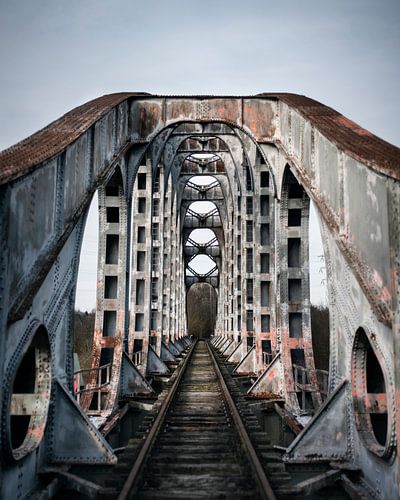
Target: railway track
200,440
198,446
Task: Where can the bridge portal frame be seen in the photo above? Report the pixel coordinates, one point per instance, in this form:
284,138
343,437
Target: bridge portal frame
345,170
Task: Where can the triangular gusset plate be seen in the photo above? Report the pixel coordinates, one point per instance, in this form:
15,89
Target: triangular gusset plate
173,349
327,436
229,350
72,438
132,382
270,382
166,354
247,365
236,354
155,365
178,344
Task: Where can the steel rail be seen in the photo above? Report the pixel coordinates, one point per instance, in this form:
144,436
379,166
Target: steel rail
262,480
144,452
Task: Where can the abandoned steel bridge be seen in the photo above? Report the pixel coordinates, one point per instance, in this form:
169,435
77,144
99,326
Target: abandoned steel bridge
160,414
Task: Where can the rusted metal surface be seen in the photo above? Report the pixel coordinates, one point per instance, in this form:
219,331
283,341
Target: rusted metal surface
30,398
288,419
261,118
20,159
302,376
43,145
371,397
94,386
253,144
349,136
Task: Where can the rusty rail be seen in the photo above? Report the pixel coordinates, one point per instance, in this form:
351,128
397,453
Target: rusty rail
152,435
263,483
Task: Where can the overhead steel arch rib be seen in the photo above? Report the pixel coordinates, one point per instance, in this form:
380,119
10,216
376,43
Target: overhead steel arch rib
20,159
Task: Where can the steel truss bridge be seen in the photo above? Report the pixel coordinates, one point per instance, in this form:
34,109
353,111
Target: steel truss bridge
254,162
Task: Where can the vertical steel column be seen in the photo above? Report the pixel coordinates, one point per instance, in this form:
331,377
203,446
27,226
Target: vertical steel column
108,340
142,263
294,296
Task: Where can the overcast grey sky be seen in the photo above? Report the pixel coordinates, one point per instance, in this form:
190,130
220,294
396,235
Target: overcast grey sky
57,54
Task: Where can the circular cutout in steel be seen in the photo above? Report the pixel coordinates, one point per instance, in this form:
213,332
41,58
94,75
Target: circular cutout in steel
30,396
370,398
